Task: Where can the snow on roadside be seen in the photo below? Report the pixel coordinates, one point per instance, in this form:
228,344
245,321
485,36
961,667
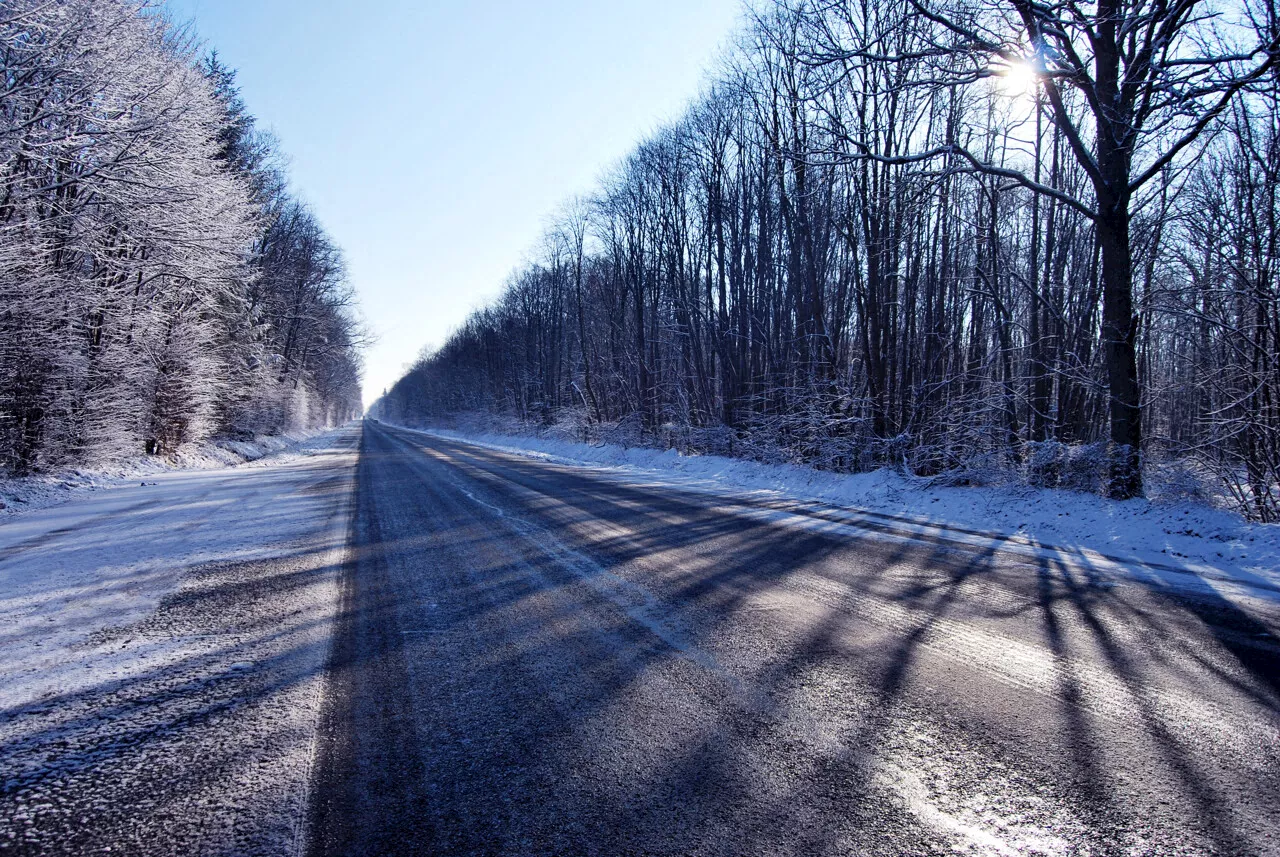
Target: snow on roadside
149,625
1214,545
107,558
25,494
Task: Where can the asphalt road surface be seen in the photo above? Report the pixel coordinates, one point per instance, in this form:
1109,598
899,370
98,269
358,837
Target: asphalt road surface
540,659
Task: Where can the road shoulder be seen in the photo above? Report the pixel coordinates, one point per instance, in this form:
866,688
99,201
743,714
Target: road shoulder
165,661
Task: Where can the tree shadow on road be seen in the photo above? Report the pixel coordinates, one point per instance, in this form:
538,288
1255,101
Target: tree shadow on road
878,617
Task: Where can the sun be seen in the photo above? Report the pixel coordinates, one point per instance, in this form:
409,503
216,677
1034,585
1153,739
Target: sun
1017,79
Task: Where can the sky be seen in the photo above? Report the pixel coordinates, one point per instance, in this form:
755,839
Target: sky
436,139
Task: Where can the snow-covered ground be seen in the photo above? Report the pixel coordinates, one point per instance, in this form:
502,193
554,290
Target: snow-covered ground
1179,544
50,489
162,648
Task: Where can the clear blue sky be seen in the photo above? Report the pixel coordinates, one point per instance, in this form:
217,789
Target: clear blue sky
434,139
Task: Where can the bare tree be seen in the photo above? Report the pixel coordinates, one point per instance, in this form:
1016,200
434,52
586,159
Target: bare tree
971,240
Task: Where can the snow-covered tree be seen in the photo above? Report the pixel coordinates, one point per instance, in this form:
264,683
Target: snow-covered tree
131,223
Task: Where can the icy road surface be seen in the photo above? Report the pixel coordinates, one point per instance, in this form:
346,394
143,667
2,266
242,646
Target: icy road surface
162,653
541,659
533,658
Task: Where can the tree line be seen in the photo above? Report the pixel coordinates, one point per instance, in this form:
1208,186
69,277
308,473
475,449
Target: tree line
159,282
976,239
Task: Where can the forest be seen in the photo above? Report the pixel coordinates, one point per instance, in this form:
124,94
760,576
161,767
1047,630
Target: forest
977,240
160,283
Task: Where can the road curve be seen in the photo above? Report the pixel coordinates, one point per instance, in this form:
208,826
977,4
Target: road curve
540,659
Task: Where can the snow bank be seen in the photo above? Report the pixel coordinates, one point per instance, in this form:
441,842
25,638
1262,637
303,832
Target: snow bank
43,490
1179,542
162,649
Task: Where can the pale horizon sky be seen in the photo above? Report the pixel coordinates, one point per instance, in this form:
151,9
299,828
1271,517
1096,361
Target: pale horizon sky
435,140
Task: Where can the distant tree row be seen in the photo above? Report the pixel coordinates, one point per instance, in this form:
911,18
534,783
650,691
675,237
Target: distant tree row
159,284
972,238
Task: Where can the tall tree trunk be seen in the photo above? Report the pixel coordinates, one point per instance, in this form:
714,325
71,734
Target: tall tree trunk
1119,341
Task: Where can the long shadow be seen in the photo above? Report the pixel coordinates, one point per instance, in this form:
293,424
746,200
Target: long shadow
189,733
720,560
1190,778
116,762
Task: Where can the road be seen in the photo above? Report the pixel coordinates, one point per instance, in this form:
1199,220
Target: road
541,659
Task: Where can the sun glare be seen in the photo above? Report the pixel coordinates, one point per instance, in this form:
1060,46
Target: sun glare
1017,79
